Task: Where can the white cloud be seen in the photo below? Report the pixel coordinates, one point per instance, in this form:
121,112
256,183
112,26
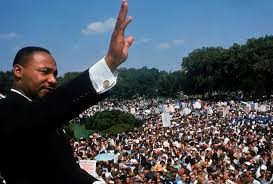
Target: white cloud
163,46
99,27
144,40
9,35
168,45
178,42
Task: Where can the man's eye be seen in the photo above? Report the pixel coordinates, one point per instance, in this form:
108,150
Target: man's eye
44,71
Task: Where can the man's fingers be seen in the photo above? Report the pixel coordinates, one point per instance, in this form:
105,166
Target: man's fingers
130,40
122,20
123,11
128,20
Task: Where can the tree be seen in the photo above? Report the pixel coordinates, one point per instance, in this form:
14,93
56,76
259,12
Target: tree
6,79
200,69
111,122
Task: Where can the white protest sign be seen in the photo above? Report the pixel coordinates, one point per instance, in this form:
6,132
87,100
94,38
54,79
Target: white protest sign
209,110
256,106
197,105
157,111
186,111
263,108
177,105
89,166
166,119
133,110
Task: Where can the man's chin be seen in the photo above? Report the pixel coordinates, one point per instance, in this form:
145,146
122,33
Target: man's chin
44,92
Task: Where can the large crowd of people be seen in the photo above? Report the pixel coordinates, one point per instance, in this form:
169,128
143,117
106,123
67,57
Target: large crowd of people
201,142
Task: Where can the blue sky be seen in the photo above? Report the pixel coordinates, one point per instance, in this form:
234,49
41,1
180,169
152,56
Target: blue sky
78,32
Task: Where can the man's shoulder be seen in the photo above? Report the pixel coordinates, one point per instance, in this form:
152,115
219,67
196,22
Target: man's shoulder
11,100
3,101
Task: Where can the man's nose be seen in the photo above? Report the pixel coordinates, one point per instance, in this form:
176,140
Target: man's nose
52,79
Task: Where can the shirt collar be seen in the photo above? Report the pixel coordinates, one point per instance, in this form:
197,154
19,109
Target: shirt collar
18,92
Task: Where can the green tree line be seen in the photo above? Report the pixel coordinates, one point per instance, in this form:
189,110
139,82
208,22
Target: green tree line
245,68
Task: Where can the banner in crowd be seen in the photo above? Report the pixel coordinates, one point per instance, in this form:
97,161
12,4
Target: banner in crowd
89,166
223,111
186,111
177,105
133,110
166,119
197,105
263,108
209,110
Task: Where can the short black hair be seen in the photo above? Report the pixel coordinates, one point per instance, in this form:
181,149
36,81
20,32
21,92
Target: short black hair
23,54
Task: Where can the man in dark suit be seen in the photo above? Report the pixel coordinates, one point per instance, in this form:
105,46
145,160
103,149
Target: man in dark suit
34,147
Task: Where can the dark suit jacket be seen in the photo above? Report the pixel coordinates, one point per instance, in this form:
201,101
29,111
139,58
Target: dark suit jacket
34,149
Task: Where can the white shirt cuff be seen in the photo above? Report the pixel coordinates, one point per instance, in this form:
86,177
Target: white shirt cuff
102,77
98,182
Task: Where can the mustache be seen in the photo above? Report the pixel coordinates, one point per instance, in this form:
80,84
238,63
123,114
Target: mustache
49,88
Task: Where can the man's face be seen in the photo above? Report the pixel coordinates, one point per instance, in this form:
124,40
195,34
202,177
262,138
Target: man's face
38,76
184,177
192,176
226,176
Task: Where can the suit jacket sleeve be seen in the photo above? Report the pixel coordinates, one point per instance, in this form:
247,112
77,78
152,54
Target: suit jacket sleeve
57,108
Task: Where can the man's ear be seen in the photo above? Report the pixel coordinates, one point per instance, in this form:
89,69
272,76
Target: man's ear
18,71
